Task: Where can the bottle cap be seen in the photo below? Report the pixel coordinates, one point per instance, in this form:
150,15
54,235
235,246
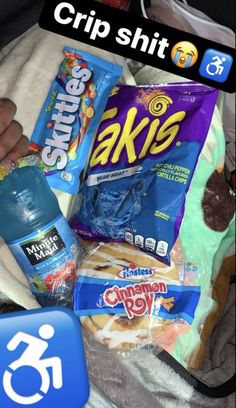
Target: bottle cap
7,166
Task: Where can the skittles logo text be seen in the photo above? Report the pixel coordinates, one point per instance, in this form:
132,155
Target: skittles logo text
57,146
116,139
134,272
137,299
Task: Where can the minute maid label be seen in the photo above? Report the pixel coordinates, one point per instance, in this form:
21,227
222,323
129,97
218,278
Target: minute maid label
141,165
43,248
49,256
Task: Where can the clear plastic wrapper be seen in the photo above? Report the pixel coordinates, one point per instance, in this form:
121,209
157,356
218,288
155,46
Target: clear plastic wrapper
129,300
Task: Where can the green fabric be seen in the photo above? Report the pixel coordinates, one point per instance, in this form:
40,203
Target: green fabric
203,246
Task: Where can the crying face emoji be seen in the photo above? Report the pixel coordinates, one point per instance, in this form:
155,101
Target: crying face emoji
184,54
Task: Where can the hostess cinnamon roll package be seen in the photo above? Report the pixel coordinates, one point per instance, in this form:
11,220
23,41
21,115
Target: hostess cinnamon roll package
128,300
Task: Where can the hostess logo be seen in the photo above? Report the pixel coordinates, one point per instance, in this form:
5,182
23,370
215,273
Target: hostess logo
135,272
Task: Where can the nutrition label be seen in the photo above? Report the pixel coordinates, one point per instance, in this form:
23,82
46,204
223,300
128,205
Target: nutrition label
150,244
139,241
162,248
129,237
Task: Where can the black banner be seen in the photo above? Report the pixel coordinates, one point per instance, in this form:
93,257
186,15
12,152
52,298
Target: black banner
143,40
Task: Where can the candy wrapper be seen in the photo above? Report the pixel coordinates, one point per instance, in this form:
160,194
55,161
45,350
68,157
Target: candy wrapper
71,115
142,163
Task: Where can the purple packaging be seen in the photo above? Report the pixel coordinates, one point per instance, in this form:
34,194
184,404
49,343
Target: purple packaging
141,165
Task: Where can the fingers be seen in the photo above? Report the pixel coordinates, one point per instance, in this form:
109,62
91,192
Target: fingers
9,138
13,144
20,149
7,113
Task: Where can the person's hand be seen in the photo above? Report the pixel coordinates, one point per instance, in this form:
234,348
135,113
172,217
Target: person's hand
13,144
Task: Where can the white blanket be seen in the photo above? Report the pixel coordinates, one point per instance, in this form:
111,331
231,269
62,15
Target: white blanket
27,68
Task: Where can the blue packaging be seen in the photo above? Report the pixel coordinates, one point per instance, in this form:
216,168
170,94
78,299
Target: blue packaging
71,115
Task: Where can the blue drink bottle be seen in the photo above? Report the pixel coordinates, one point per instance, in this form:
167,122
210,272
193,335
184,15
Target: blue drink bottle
38,235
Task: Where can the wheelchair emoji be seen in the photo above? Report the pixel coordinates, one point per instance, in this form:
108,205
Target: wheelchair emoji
216,67
32,357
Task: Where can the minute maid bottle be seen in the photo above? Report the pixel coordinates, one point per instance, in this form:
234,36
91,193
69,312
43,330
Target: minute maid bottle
36,232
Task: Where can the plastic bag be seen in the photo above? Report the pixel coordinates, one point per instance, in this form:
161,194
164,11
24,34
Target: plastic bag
180,15
142,163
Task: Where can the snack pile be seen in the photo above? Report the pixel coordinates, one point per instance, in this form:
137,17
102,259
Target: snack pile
144,167
127,299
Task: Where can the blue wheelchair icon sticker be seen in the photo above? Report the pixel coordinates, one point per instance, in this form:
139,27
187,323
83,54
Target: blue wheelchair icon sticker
216,65
42,360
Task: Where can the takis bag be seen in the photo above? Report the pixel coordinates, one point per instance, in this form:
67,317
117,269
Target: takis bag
141,165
